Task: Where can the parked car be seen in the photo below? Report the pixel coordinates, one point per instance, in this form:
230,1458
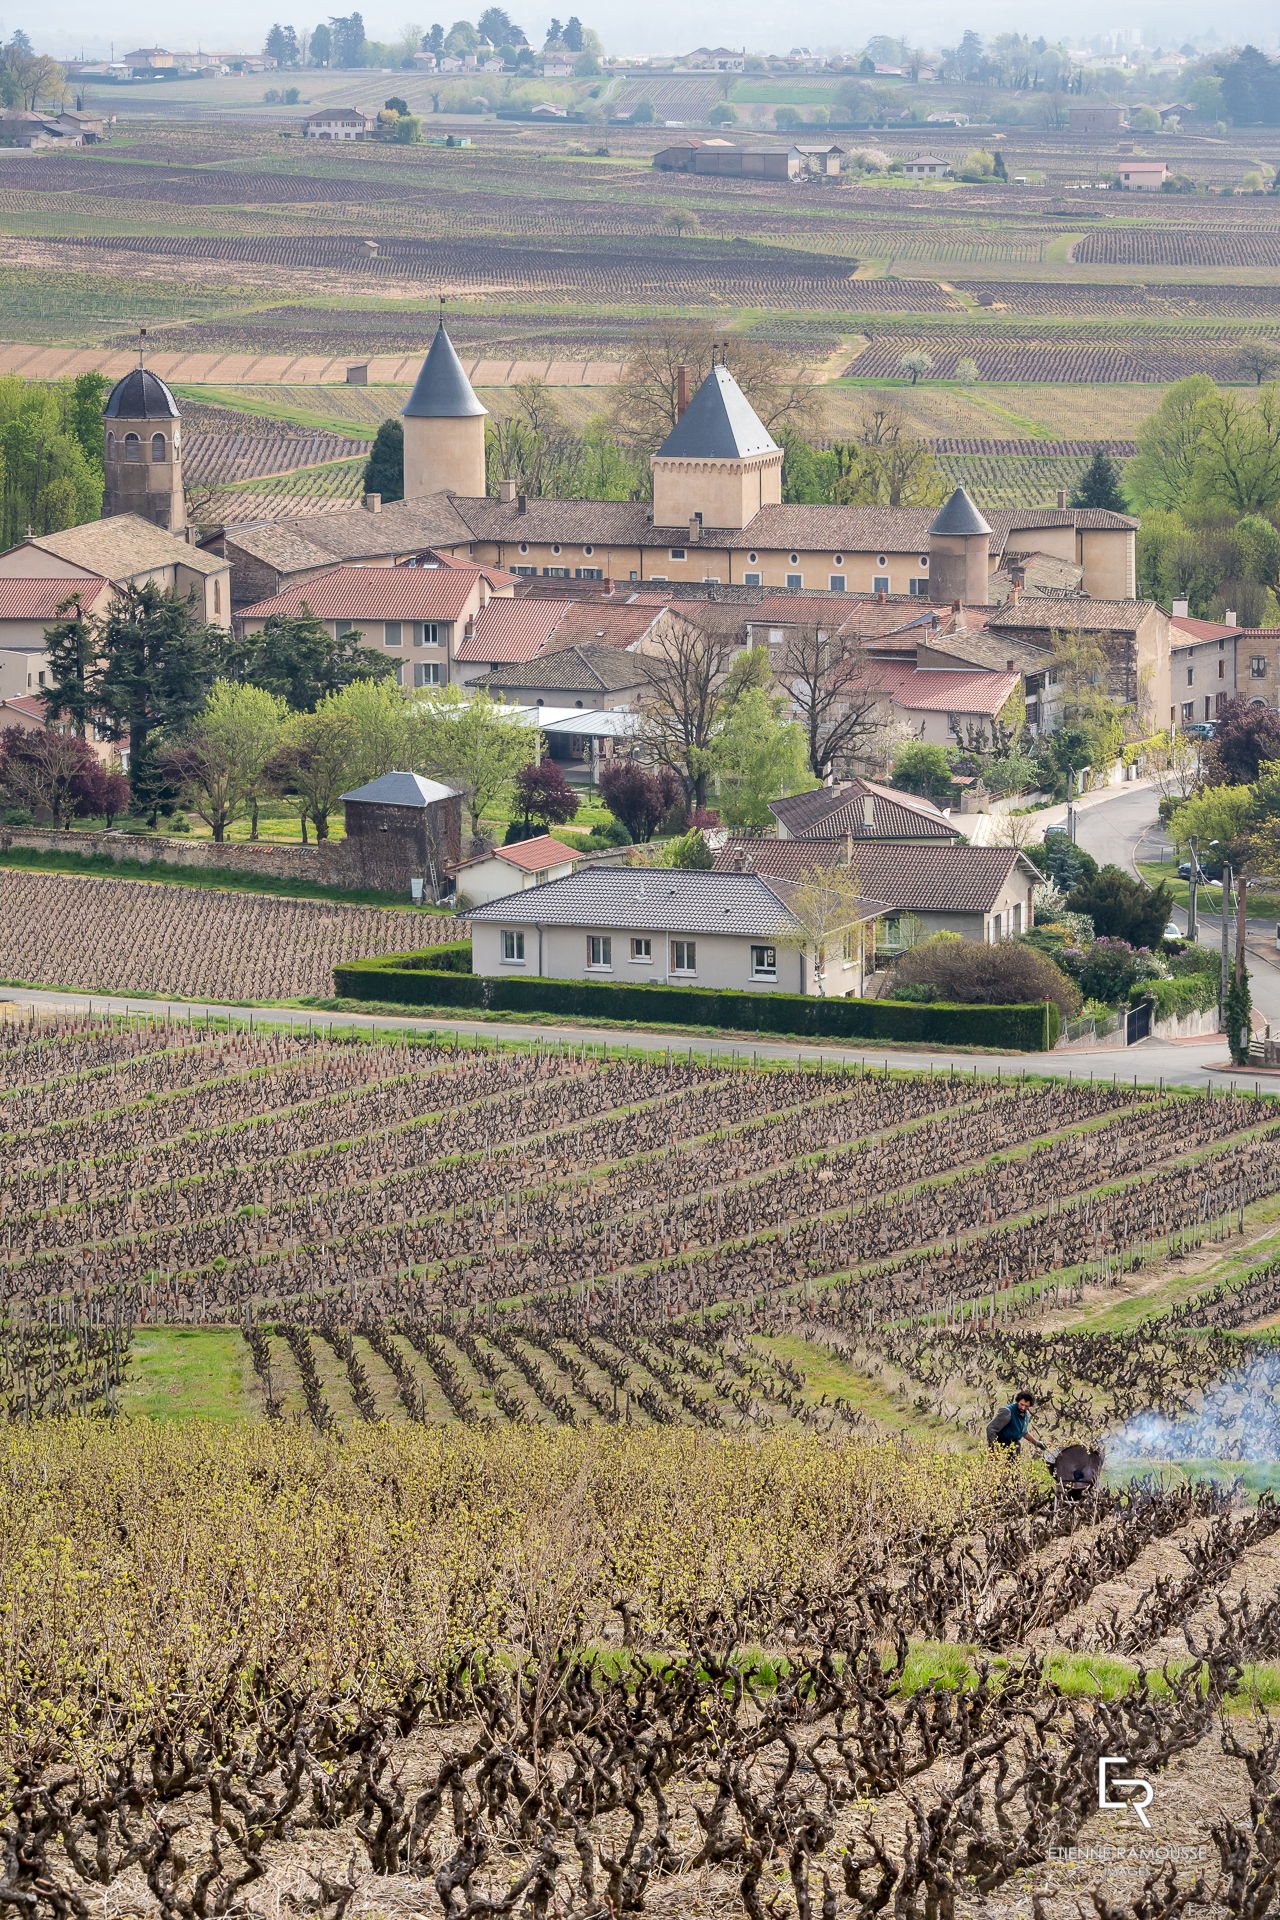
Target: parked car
1201,729
1172,932
1209,870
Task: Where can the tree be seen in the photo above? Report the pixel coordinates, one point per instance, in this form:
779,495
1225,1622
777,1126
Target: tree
1163,469
543,797
1238,452
1122,907
382,730
396,105
646,406
45,769
321,46
1237,1016
1099,485
102,791
1245,738
915,364
965,371
998,169
682,220
156,664
281,45
689,851
757,755
313,762
471,742
295,657
85,400
682,686
219,762
970,973
825,903
643,114
923,769
347,43
1063,862
723,115
824,676
1144,119
638,798
384,469
1225,814
71,651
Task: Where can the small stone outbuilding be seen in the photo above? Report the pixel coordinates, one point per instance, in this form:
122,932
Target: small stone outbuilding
403,827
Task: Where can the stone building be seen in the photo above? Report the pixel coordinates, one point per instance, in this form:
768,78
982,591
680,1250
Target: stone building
401,828
142,451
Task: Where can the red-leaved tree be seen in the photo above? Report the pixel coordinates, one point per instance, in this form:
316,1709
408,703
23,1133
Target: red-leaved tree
636,797
543,797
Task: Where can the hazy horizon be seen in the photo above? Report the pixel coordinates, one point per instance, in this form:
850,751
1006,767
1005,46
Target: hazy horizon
665,26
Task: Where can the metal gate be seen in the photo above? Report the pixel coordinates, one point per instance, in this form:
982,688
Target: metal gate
1137,1023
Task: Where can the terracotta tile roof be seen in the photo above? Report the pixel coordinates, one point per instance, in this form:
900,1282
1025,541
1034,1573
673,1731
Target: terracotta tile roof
24,703
842,810
920,878
374,593
935,690
511,630
41,599
591,669
1202,629
531,856
123,545
611,624
1115,616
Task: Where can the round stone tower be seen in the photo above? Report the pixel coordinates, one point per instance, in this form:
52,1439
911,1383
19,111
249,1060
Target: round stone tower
443,428
142,451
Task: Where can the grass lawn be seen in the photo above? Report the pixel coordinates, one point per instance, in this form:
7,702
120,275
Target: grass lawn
1262,906
188,1373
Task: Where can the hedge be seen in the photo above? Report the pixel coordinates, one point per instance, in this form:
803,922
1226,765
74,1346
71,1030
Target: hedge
430,980
1170,999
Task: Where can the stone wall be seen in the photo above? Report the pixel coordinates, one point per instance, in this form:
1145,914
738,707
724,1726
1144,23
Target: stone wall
332,864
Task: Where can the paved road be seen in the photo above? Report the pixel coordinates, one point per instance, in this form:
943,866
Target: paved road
1175,1064
1121,827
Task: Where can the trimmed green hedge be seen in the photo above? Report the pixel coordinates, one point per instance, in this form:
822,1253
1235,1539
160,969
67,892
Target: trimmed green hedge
428,980
1170,999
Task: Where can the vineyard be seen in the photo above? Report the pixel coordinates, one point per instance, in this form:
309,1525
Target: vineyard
1057,362
603,1532
1180,247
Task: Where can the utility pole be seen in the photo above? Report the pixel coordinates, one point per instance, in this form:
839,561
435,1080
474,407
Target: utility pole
1224,978
1242,921
1192,923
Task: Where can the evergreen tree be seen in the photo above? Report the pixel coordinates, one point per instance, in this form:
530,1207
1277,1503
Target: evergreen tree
85,401
321,46
71,649
1099,485
999,171
295,657
384,469
156,664
573,33
1238,1017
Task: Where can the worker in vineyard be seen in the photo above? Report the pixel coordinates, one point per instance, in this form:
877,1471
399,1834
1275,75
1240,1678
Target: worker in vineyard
1009,1426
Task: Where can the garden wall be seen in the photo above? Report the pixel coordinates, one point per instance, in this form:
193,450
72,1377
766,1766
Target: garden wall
384,864
433,979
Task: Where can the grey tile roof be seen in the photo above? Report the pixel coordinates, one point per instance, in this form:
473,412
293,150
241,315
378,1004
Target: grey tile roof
919,878
960,516
124,545
400,790
442,390
403,526
719,423
650,900
594,668
841,810
141,395
1071,610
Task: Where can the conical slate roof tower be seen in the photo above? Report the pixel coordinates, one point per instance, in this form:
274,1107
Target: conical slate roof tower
443,427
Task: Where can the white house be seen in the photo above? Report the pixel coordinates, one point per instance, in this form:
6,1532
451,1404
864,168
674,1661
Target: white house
338,123
926,166
662,926
526,863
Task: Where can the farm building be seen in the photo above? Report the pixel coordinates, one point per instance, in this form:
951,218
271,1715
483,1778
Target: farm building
339,123
525,863
400,828
1099,119
1142,176
926,166
757,163
19,129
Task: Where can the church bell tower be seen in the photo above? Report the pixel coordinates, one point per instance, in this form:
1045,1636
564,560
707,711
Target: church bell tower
142,451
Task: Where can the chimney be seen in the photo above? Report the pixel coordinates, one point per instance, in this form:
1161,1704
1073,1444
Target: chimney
522,503
1180,609
1017,573
880,593
682,390
868,810
373,503
1062,496
1229,617
1015,593
848,849
695,529
506,491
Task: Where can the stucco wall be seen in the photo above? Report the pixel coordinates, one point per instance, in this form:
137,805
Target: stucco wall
444,456
722,960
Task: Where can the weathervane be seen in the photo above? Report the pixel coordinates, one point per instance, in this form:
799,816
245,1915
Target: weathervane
142,347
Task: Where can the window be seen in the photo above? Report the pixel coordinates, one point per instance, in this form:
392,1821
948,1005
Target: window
1188,709
752,558
711,579
919,587
177,450
924,561
429,633
217,598
775,636
556,573
684,956
881,561
599,950
1208,708
132,447
524,546
642,952
1015,919
751,579
1191,676
111,446
764,963
157,450
533,570
849,946
795,579
588,573
512,946
555,546
1221,701
588,550
1222,645
676,553
1222,669
393,633
795,559
996,926
880,583
835,584
428,673
837,559
1258,666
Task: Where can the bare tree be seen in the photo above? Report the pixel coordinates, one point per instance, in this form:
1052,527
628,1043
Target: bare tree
825,677
680,700
646,401
894,467
827,904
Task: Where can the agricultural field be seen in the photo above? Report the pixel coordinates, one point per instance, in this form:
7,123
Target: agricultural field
593,1444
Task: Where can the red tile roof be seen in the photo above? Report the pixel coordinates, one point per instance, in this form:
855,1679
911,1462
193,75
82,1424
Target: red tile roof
375,593
936,690
1203,629
507,632
41,599
25,703
531,856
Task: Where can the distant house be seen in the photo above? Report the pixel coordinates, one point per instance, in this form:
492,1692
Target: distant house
1142,176
18,129
339,123
593,676
719,59
926,166
151,58
545,111
525,863
28,608
862,810
1096,119
755,163
668,927
555,69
